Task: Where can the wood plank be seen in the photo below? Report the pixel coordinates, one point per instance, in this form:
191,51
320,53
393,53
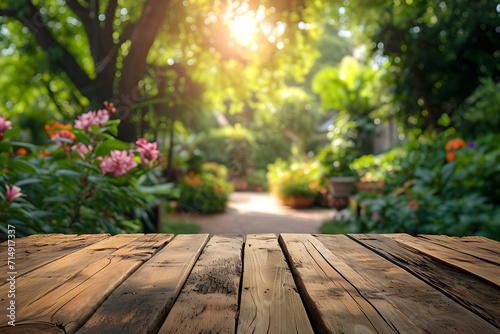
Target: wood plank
69,305
481,250
208,302
39,282
430,310
270,302
153,287
469,264
330,290
36,251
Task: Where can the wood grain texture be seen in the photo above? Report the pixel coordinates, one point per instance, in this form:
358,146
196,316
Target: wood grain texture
334,302
39,282
208,302
467,263
429,309
482,250
270,302
69,305
37,250
141,303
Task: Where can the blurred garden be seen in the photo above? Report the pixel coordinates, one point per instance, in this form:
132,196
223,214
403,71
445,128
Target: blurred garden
115,113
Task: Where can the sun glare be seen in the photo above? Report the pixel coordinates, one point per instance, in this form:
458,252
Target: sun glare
244,24
243,28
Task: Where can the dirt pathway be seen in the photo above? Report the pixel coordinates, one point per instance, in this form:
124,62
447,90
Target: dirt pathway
250,212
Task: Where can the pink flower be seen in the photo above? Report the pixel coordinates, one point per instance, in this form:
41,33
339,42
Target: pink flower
12,193
147,151
83,150
86,120
102,117
119,163
5,124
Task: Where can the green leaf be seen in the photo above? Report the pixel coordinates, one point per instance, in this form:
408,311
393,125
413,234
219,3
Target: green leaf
27,181
5,147
111,144
159,189
22,144
69,173
112,126
95,128
57,199
108,227
22,166
11,133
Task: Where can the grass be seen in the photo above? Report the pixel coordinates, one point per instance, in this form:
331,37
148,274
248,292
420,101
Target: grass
179,227
337,227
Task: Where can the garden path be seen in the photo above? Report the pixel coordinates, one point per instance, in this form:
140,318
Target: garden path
251,212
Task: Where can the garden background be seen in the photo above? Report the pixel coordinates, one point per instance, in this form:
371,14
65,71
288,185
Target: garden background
113,113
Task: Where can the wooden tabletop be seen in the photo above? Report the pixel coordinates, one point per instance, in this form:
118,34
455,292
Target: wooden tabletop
297,283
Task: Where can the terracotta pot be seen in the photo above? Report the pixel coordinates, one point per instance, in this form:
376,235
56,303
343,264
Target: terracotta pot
299,202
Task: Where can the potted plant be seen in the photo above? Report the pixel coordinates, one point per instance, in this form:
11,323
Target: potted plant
336,160
295,184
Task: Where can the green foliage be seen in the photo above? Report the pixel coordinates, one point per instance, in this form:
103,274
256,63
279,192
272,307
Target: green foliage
232,146
179,228
258,178
297,179
66,190
430,194
204,193
480,112
337,157
438,51
335,226
375,167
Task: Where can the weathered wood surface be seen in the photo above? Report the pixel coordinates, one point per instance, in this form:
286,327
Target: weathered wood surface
473,294
69,305
485,270
37,250
329,289
142,302
483,251
430,310
208,302
194,284
270,302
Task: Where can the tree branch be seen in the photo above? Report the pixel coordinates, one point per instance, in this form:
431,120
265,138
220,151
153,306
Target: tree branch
110,16
66,62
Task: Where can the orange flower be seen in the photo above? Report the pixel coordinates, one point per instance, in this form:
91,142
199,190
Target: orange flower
214,188
56,125
311,186
451,147
5,170
454,144
21,151
221,190
450,156
191,173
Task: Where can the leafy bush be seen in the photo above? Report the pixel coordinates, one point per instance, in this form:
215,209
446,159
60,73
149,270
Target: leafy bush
294,179
441,188
86,182
204,193
258,179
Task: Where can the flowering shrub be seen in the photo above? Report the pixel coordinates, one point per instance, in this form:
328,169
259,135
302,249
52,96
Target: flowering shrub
86,182
204,193
295,179
436,192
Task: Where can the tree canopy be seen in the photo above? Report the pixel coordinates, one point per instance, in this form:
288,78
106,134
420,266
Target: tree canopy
131,51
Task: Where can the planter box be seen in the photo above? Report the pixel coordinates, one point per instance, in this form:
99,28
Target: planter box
299,202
